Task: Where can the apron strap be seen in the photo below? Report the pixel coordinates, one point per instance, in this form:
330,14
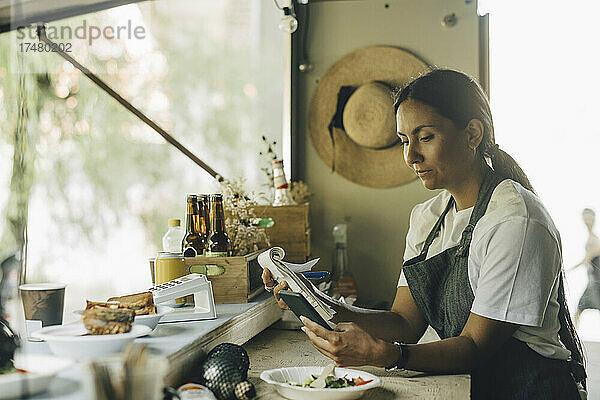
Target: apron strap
436,228
489,183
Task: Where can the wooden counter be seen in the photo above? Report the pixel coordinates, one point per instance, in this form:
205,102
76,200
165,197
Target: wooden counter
275,348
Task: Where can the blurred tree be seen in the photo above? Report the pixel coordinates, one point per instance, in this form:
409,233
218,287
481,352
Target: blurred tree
207,79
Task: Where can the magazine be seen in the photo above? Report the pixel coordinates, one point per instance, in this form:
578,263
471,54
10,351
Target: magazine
281,270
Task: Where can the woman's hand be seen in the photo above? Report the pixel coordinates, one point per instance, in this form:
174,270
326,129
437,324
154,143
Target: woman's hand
269,282
350,345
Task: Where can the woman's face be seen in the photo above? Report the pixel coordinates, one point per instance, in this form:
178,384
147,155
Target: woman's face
588,218
434,148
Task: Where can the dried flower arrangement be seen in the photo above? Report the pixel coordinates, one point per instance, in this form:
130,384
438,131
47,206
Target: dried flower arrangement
240,220
268,156
298,189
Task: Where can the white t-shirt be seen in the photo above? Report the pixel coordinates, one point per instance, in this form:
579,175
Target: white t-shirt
514,260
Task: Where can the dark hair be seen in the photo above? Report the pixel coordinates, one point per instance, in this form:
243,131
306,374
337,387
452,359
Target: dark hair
459,98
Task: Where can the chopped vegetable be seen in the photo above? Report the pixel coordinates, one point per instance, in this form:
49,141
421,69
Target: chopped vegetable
7,370
332,382
360,381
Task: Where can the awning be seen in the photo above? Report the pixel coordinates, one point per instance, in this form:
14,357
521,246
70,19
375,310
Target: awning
18,13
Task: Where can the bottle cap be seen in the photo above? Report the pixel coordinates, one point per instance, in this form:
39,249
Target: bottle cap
191,198
174,222
216,197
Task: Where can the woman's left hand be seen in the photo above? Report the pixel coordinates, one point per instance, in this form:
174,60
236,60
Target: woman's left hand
348,345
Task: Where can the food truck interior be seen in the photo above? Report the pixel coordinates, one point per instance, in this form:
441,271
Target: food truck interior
118,117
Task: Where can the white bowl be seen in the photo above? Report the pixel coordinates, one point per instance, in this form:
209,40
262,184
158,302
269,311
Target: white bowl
280,376
41,369
73,340
150,320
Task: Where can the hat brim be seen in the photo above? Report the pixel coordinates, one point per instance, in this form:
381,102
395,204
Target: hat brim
378,168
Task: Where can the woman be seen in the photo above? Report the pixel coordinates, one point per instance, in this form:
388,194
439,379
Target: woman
590,299
482,263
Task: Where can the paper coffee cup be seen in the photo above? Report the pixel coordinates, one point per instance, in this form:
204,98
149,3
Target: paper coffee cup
43,302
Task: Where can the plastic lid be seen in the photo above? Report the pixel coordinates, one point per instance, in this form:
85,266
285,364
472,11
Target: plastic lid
174,222
339,233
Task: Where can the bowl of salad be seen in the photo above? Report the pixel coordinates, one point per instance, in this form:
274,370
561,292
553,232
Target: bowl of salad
342,383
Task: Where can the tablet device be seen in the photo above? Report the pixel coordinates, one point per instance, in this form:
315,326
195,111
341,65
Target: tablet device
301,307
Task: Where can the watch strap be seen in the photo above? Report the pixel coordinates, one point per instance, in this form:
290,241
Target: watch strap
402,360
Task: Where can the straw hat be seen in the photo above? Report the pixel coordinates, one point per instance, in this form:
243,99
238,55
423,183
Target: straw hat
351,119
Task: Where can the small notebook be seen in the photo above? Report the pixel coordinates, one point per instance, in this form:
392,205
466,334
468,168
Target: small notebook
281,270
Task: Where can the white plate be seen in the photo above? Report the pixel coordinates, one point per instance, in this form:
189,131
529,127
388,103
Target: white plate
150,320
278,377
69,340
41,369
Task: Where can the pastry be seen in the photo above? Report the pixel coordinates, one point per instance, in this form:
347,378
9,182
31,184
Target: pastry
107,320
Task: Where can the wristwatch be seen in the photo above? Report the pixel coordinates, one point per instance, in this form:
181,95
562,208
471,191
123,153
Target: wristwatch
402,360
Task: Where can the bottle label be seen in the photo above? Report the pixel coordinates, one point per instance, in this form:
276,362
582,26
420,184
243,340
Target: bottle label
279,182
346,286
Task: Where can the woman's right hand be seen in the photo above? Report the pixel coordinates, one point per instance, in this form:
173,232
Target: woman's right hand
268,281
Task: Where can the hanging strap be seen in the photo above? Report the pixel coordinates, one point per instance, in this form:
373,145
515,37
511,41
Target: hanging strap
337,121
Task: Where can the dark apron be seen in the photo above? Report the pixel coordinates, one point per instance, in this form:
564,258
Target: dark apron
441,290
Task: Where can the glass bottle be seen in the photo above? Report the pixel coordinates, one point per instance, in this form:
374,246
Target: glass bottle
343,283
194,242
204,206
219,244
282,189
173,238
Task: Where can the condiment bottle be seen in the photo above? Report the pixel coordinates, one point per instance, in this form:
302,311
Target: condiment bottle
282,189
343,283
172,239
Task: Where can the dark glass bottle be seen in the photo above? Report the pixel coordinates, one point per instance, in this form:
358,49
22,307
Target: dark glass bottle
204,202
195,239
219,244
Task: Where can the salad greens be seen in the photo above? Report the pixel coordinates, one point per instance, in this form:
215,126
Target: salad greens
7,370
331,382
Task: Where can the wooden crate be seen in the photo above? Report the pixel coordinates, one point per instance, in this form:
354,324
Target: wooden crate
291,230
239,279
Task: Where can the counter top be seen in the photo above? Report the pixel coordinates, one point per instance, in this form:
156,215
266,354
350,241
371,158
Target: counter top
185,343
275,348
